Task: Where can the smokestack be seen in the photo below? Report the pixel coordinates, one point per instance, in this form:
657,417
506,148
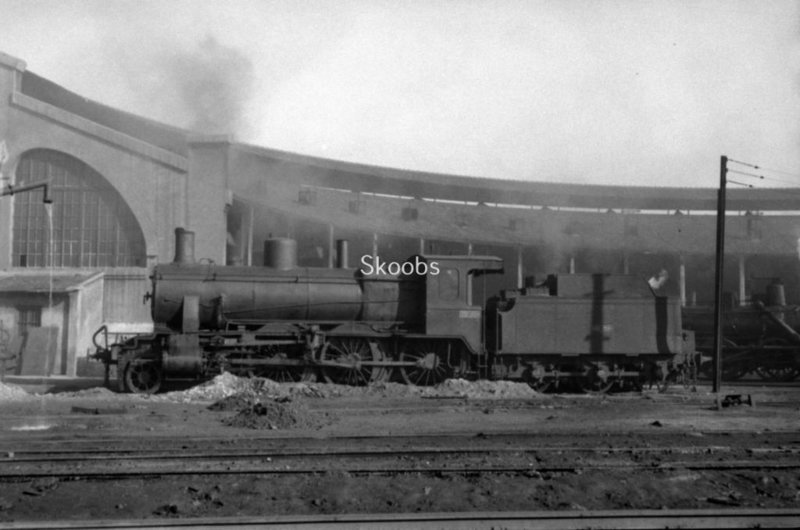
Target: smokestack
776,294
341,254
280,253
184,246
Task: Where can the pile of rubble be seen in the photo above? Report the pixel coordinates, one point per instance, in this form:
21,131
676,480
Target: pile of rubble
222,386
97,392
13,393
227,384
269,414
482,389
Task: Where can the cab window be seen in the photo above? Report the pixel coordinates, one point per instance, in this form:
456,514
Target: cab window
448,284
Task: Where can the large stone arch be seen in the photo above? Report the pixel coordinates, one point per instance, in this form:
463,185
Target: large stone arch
92,225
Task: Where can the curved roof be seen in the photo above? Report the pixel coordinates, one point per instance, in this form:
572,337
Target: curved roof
419,184
167,137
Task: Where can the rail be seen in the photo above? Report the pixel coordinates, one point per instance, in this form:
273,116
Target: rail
557,520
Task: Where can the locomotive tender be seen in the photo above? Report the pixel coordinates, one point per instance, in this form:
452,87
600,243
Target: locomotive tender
293,323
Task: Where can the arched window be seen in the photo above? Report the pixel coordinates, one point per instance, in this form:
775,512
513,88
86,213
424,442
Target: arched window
90,225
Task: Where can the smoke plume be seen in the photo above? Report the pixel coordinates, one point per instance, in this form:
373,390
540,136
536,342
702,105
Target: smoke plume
214,84
642,93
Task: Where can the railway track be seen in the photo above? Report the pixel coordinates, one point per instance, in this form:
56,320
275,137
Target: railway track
567,520
90,455
386,456
361,469
42,447
702,380
283,473
66,443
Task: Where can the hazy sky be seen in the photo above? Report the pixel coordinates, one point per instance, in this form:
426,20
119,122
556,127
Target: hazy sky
605,92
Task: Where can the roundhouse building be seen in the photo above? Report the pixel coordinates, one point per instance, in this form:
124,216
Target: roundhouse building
119,185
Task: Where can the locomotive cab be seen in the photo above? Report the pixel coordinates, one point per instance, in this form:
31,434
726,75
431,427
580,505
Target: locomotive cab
449,308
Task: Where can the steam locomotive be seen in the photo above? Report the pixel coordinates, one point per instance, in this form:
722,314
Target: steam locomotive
342,325
760,338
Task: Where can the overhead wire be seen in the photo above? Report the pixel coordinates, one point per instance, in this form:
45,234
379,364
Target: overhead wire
740,183
781,180
746,174
765,169
748,164
791,190
780,171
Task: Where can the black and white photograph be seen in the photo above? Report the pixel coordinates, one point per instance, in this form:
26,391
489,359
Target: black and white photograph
414,264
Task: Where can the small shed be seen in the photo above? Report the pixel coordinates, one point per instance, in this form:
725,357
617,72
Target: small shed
50,317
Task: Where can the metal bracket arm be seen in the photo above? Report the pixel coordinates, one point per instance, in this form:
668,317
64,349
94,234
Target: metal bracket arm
11,190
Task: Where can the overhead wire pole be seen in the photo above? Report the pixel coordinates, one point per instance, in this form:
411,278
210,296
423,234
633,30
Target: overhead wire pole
720,270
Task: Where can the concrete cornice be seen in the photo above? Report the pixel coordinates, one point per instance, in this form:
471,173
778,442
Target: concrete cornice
212,139
10,61
99,132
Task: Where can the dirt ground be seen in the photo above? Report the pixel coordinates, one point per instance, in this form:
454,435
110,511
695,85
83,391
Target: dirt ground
236,412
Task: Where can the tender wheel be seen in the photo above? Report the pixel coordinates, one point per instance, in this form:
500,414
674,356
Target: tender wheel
429,360
735,369
536,379
143,376
779,366
781,374
352,355
597,378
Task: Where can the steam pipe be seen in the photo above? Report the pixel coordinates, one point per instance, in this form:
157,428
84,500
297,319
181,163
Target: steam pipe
778,322
11,190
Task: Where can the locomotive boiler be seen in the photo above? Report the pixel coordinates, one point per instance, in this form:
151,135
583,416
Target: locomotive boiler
419,326
188,296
